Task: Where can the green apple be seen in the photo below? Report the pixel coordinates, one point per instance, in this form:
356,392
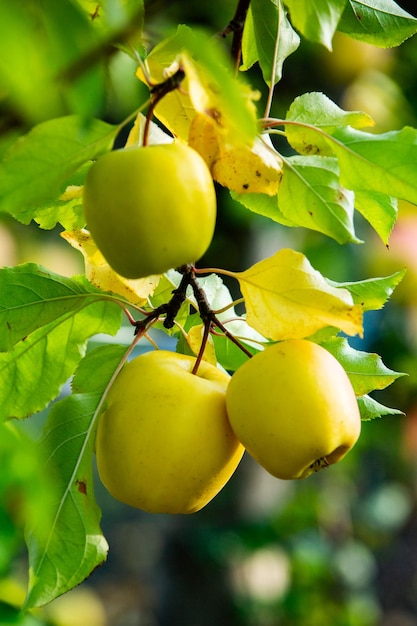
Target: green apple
293,408
164,443
150,208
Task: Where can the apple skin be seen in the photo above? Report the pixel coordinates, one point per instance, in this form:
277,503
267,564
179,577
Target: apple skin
164,443
293,408
150,209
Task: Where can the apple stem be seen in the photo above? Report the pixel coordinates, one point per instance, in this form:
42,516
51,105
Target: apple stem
158,92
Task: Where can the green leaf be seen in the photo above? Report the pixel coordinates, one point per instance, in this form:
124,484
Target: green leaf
366,371
370,409
311,196
97,368
372,293
37,167
25,490
384,163
379,210
268,38
316,109
378,22
56,35
34,296
48,356
262,204
317,21
64,554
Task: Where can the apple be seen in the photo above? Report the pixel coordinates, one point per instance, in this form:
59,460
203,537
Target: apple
164,443
293,408
150,209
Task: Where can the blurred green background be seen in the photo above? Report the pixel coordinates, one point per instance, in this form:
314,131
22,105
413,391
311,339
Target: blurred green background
337,549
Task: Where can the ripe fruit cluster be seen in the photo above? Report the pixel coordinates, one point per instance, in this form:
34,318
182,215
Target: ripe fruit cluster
169,440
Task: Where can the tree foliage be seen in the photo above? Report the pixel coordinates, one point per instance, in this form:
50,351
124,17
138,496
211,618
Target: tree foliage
330,163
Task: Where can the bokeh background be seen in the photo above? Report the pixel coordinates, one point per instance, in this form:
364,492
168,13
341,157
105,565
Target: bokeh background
339,548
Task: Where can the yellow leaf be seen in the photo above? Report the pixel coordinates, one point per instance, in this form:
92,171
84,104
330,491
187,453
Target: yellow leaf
199,92
287,298
241,168
156,134
194,339
100,274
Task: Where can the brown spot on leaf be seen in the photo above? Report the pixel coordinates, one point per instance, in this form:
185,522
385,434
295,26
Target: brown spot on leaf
81,486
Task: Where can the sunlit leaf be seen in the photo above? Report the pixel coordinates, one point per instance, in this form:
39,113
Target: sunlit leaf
265,205
241,168
378,22
194,340
316,109
384,163
101,275
268,38
33,297
372,293
311,196
370,409
379,209
286,298
71,545
61,146
366,371
47,357
209,86
96,369
74,544
317,21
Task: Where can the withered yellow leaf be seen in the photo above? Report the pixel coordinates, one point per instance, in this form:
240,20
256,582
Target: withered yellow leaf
194,340
241,168
101,275
208,87
287,298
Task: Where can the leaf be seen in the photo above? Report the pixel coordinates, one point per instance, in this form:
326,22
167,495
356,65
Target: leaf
242,168
384,163
194,340
35,296
48,356
370,409
37,166
63,555
96,369
209,86
268,38
263,204
102,276
366,371
316,21
372,293
316,109
34,76
25,490
381,23
286,298
379,210
311,196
